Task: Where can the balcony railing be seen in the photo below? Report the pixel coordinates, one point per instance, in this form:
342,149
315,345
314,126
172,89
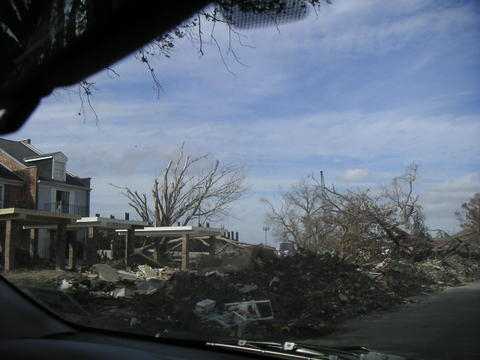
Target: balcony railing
62,208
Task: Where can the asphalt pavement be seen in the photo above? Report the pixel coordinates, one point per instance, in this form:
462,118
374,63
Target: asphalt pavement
443,325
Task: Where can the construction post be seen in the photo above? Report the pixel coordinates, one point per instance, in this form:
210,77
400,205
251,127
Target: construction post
115,244
33,245
185,252
129,246
91,246
72,250
51,245
60,246
9,248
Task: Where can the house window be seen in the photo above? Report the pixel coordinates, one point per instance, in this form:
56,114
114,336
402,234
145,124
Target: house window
62,202
59,170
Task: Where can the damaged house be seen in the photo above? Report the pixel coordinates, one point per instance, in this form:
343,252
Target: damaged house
30,179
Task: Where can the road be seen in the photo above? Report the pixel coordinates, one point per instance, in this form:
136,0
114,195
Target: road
443,325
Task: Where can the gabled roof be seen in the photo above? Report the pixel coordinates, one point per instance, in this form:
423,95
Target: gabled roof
17,150
27,154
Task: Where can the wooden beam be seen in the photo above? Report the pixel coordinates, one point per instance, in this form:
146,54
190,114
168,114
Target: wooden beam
9,246
129,246
33,245
60,246
72,250
91,246
52,244
115,244
185,252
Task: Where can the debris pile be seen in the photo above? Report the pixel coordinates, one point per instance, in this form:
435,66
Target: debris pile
299,295
452,263
295,295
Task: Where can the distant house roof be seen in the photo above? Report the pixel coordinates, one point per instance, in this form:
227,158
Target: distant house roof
6,173
17,149
26,155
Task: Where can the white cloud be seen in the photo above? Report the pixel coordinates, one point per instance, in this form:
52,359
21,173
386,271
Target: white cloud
355,176
236,117
442,200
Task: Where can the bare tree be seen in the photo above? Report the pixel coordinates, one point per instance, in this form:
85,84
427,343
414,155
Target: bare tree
469,216
360,225
186,192
301,218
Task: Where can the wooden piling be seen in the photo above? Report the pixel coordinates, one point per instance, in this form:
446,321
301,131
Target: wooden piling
129,246
33,245
91,246
72,250
60,245
185,252
9,248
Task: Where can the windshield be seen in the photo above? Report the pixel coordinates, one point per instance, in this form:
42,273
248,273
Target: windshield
258,179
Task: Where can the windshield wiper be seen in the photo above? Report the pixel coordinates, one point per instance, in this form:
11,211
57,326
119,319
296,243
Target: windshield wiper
291,350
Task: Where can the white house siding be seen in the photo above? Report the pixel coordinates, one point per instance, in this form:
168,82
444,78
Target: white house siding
81,198
44,197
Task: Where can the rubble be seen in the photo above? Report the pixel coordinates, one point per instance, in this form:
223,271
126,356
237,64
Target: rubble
106,272
244,289
308,294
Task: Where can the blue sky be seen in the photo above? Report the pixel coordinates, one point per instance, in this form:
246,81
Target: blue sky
359,90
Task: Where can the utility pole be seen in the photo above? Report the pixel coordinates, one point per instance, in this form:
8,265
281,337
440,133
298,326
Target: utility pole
322,185
266,228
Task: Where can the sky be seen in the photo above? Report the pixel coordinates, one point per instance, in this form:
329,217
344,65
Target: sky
359,89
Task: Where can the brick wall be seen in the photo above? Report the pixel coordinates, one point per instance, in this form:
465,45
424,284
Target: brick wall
29,176
9,162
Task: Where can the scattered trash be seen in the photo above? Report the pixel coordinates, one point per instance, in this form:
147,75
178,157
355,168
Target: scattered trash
65,285
122,292
274,281
248,288
134,321
215,272
125,275
309,293
147,272
253,310
205,306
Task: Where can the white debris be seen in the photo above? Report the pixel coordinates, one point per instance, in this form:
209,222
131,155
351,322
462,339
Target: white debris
122,292
205,306
147,272
126,275
65,285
